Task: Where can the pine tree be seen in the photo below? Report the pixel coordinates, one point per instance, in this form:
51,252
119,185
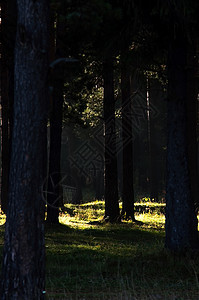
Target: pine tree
23,257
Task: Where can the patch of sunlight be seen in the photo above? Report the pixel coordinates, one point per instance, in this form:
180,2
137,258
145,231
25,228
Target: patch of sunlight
93,203
74,222
149,203
198,221
2,218
152,219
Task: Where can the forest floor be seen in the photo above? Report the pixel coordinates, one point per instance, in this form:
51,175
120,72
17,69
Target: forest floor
89,259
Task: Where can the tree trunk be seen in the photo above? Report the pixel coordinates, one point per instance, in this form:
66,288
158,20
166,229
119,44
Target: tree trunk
181,220
54,194
5,113
140,132
127,141
8,30
192,108
23,258
154,140
112,212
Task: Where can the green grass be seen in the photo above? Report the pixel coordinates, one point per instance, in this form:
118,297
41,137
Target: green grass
89,259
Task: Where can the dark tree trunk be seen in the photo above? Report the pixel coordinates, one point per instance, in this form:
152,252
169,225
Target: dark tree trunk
8,31
192,108
23,258
181,220
54,194
140,131
127,141
112,212
154,140
5,112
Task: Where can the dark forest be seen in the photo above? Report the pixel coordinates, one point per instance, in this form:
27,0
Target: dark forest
99,149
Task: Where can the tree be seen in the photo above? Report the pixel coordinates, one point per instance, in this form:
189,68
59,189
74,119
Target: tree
54,193
192,111
91,23
127,140
181,220
4,102
23,256
8,31
156,121
126,111
112,212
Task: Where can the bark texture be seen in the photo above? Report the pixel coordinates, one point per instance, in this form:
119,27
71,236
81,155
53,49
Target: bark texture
127,141
192,119
181,220
8,32
112,212
23,257
154,140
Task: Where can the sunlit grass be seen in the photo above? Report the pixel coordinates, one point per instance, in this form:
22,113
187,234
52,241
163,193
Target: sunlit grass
2,218
89,259
121,261
84,215
152,219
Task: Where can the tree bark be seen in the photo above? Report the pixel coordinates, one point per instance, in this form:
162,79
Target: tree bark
112,212
5,114
181,220
55,193
154,140
127,141
8,31
23,257
192,108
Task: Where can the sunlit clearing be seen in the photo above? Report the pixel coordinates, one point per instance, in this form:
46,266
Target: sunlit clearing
2,218
152,219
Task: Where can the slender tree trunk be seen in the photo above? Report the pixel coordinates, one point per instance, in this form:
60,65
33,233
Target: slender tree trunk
5,112
54,194
23,258
127,141
181,220
112,212
8,30
153,141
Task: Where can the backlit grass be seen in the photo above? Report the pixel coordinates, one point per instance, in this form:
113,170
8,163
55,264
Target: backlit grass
89,259
2,218
87,213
